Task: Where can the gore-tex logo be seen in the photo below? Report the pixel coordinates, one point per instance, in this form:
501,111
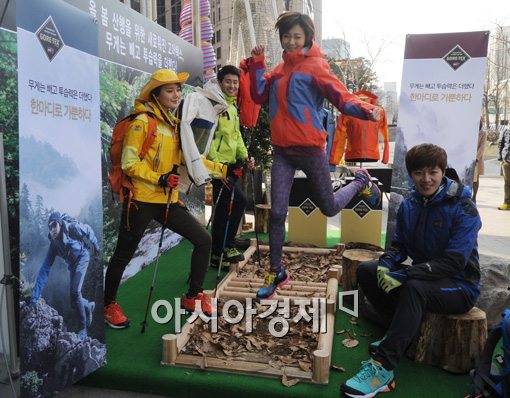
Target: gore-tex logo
307,206
456,57
50,38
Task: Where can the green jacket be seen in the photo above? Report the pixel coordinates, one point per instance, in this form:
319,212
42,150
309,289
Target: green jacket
228,145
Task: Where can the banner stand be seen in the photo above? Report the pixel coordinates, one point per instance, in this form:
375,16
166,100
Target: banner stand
8,280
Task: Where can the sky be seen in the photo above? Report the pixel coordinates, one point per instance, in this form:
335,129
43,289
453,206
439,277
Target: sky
384,25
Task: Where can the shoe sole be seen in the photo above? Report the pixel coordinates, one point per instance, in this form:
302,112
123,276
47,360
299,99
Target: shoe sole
118,326
386,388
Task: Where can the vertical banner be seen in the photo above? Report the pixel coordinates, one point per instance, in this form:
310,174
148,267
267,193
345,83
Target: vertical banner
61,216
440,103
130,48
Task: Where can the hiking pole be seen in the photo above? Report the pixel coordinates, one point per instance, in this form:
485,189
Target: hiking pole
255,214
144,323
225,234
214,207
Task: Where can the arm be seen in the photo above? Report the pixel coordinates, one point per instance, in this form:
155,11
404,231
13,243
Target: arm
501,145
43,275
397,251
241,151
462,241
130,161
259,85
335,91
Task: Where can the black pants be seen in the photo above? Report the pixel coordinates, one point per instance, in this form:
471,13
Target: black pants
406,306
179,220
221,215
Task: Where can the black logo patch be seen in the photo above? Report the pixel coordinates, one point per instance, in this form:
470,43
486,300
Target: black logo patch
361,209
307,207
50,38
456,57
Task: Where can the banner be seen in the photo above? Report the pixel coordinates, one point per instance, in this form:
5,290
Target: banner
440,103
61,211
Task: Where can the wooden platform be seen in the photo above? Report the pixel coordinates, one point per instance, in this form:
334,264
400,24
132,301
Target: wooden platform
235,287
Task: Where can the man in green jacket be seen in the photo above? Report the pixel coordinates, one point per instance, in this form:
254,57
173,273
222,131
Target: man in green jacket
228,148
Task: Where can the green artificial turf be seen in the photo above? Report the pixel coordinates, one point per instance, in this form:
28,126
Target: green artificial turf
133,360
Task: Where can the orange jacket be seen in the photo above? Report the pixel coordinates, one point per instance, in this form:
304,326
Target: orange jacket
362,136
248,109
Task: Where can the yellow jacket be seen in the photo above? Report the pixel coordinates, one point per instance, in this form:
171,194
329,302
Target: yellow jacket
161,157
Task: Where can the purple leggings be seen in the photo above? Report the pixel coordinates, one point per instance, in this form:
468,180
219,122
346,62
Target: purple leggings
316,169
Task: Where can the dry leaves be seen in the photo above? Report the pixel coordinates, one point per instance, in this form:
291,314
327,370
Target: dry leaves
350,343
288,383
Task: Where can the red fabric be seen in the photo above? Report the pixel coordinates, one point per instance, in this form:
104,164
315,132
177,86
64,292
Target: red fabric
362,136
248,109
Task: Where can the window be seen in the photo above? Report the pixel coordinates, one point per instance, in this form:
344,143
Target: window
218,53
218,35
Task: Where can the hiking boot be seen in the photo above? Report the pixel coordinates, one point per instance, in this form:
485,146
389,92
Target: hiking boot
232,255
374,347
504,206
114,317
215,262
188,303
370,381
89,312
241,243
82,334
272,281
371,192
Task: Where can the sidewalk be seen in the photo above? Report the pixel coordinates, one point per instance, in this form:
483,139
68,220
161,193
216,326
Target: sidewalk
494,237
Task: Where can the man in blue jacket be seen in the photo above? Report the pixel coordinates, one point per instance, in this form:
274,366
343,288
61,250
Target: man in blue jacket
437,228
67,241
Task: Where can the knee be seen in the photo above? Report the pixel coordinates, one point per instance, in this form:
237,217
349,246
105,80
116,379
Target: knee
277,216
329,212
367,269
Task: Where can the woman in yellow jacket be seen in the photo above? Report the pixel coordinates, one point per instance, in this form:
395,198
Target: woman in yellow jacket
154,177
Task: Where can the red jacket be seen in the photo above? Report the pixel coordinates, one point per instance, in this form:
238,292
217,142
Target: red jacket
295,90
248,109
362,137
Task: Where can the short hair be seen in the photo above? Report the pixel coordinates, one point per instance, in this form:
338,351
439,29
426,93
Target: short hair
288,20
425,155
228,70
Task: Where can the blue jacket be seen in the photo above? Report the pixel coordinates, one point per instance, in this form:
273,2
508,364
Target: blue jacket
70,246
440,236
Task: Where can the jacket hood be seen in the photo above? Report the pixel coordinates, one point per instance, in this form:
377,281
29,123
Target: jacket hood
212,91
149,106
371,98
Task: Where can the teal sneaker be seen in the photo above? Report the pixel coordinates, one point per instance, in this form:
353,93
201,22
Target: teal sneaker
272,281
370,381
232,255
371,192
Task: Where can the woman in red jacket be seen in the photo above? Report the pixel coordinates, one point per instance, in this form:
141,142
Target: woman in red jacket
296,90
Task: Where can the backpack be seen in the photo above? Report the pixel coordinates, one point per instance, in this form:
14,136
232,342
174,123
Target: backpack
491,376
120,183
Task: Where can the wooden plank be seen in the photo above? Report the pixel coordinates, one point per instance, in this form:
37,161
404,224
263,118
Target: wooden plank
241,366
288,286
291,283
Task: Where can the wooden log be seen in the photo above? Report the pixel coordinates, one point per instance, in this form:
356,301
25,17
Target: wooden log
170,349
331,295
350,261
262,212
320,373
291,283
451,342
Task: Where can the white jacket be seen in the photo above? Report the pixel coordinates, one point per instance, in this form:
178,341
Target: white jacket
200,113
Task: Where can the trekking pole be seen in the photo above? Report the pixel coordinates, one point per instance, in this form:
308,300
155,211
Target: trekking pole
225,234
214,207
144,323
255,214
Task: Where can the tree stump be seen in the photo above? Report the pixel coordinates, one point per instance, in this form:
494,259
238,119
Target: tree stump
262,218
350,261
451,342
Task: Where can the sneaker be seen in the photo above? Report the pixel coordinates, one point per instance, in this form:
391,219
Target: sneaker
371,191
215,262
188,303
89,312
232,255
370,381
272,281
114,317
504,206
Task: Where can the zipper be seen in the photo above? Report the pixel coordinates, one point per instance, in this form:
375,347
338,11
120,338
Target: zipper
219,144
